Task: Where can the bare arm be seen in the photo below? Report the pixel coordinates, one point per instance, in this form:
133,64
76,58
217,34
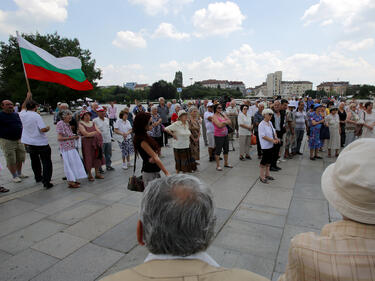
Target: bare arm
27,99
146,147
349,115
85,133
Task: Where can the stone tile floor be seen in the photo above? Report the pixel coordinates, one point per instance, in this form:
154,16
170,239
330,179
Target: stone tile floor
88,233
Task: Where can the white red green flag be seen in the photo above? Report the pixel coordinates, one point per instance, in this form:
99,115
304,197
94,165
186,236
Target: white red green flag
41,65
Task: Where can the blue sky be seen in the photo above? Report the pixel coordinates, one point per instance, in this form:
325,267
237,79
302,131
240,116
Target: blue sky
148,40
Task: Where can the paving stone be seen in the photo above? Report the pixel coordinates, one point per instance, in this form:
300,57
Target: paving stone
289,232
98,223
14,208
122,237
132,259
44,196
276,276
333,214
18,222
261,214
76,213
250,238
308,191
236,259
86,264
25,265
24,238
222,216
133,199
113,196
308,213
4,256
60,245
63,203
265,195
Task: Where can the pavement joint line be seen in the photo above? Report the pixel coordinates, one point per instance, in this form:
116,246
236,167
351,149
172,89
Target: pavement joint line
19,194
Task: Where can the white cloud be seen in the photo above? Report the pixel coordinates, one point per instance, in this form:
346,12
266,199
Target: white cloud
220,18
154,7
129,39
167,30
172,65
352,14
32,14
355,46
120,74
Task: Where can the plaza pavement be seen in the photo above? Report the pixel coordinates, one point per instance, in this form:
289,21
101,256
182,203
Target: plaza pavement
87,233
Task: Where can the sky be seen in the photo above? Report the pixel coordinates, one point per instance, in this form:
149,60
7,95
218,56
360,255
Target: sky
144,41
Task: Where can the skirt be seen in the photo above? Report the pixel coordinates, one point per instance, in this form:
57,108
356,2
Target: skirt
127,147
184,160
73,165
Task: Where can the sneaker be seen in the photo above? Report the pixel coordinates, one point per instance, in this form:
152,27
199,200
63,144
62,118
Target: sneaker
130,164
282,160
22,176
16,179
124,166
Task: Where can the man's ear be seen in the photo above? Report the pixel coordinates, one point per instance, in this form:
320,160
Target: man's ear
140,233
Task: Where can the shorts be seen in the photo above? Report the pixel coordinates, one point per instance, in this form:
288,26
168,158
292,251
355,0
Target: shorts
14,151
211,140
267,156
222,143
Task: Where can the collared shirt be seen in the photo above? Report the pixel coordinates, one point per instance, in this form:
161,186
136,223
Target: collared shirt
203,256
244,120
123,127
265,129
345,250
277,121
103,126
32,122
182,133
209,125
163,112
258,117
93,114
112,112
301,119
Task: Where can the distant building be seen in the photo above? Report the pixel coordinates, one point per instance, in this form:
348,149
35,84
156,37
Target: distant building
177,82
295,88
130,85
339,87
261,89
274,83
224,84
141,87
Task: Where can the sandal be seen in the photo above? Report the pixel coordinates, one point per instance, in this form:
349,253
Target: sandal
219,169
312,158
73,185
3,189
263,180
228,166
248,157
91,178
270,178
100,177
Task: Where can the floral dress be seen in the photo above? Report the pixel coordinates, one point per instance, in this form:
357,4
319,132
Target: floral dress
156,132
314,141
195,130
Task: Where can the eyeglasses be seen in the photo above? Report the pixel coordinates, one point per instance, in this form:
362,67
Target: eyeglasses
219,107
245,108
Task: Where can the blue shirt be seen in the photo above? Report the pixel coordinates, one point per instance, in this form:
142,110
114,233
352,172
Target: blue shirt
11,126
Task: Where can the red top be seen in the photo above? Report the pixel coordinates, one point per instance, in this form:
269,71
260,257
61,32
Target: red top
174,117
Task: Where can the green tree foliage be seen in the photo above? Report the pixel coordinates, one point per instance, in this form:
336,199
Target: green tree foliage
162,89
197,91
364,92
119,94
315,94
13,85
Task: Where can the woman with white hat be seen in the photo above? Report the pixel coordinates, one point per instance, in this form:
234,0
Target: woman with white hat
180,132
333,123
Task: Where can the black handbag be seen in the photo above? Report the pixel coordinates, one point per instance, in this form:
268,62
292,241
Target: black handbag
324,133
136,183
230,129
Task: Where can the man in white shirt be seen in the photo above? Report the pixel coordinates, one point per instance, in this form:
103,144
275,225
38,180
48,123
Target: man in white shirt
210,130
36,141
102,123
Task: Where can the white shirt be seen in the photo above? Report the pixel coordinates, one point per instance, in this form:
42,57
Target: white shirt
123,126
182,133
203,256
266,129
231,110
209,124
252,110
103,126
32,122
244,120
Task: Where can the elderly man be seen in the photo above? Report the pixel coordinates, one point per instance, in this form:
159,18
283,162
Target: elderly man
10,140
232,112
93,111
163,111
178,236
345,249
278,122
258,117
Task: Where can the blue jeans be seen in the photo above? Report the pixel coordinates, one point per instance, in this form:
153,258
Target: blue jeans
107,151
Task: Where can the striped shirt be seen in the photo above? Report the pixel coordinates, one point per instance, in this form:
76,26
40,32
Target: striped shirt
345,250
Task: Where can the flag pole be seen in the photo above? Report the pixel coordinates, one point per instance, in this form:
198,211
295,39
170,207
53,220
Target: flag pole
23,65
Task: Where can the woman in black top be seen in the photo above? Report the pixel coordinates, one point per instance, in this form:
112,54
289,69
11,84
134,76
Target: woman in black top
342,116
147,148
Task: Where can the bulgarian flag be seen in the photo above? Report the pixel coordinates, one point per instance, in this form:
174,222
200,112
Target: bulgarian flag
41,65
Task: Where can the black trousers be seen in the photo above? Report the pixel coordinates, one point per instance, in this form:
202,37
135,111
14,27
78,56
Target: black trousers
343,135
259,149
165,134
41,162
276,149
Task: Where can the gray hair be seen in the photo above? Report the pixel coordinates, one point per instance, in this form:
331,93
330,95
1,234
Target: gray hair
154,107
267,111
177,213
161,98
64,105
64,113
193,108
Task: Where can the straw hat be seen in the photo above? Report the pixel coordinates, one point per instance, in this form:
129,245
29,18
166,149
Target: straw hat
181,112
349,183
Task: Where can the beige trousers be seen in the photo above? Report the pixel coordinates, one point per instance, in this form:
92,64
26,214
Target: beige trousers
244,144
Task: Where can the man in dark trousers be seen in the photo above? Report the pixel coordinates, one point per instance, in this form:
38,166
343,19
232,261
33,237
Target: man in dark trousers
278,122
163,111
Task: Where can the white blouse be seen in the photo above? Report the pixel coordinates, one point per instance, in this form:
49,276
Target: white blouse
265,129
182,133
244,120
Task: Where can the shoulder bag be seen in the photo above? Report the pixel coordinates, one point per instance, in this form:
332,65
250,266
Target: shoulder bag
135,183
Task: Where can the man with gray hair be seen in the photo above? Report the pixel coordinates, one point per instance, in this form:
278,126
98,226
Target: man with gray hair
163,111
176,224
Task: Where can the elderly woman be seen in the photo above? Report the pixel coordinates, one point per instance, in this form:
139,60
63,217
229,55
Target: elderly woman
180,132
156,131
368,121
232,113
124,129
195,129
220,122
245,127
342,115
73,167
174,116
267,138
332,121
352,121
92,143
316,121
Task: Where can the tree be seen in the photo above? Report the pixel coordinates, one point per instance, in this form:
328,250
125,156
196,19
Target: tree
13,85
162,89
177,82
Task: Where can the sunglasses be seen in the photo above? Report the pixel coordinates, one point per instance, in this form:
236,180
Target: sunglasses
246,108
219,107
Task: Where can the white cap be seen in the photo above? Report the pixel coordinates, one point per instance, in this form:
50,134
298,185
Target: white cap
210,104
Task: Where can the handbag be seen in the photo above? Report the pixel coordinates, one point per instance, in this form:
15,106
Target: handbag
136,183
359,128
230,130
324,133
253,140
